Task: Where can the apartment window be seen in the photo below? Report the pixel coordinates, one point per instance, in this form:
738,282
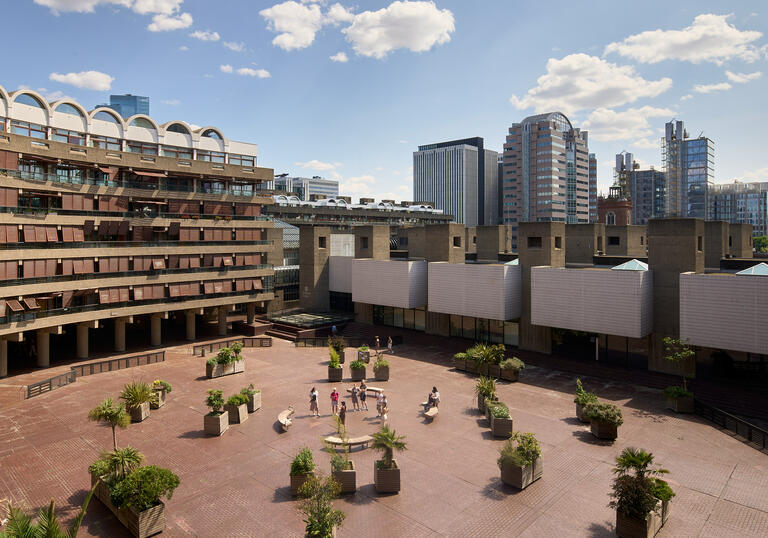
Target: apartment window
614,241
534,242
211,156
106,142
474,240
321,242
642,240
363,242
28,129
242,160
730,240
177,152
141,147
558,242
456,241
610,218
699,243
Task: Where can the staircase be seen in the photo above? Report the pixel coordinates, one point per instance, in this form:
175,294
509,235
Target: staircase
284,332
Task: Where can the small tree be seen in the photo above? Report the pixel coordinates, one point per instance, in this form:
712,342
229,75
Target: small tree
215,401
637,488
760,243
387,441
679,352
114,415
316,503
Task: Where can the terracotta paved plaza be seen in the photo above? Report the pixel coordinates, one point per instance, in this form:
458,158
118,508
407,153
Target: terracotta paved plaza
237,485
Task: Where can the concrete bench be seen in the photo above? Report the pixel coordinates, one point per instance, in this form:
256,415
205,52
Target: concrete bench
430,413
374,391
352,442
284,418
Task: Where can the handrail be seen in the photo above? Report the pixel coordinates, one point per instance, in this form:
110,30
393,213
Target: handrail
137,214
247,341
47,385
348,342
128,244
751,434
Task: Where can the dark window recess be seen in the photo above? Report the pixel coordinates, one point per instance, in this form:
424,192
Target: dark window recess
363,242
614,241
456,241
534,242
321,242
699,243
730,240
558,242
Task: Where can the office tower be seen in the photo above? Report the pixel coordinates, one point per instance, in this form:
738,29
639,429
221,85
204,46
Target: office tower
647,189
741,203
128,105
307,187
592,188
689,165
461,178
546,172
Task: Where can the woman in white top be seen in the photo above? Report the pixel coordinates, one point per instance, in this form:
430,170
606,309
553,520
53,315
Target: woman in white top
313,396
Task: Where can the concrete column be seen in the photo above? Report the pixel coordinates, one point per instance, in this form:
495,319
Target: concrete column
43,349
190,314
82,340
156,328
120,335
250,312
222,322
3,357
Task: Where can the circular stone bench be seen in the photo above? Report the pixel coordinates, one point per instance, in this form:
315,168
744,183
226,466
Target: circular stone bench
284,418
352,442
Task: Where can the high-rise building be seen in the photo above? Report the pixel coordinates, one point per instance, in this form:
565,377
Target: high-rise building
129,105
646,189
742,203
461,178
689,164
592,188
307,187
546,172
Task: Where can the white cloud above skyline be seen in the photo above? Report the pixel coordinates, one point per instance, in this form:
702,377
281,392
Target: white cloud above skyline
205,35
87,80
340,57
234,46
166,14
632,123
709,88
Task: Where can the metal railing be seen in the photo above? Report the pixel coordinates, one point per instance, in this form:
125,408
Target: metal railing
247,341
128,244
136,214
348,342
47,385
749,433
119,364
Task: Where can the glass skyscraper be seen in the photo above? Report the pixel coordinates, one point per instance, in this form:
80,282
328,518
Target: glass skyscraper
689,165
129,105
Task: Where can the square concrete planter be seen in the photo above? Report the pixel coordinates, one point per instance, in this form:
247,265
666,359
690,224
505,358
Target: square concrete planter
358,374
143,524
501,427
160,399
510,374
681,405
630,527
386,480
335,374
139,413
347,478
254,402
382,374
237,413
219,370
460,364
297,481
216,424
521,477
580,414
603,430
494,370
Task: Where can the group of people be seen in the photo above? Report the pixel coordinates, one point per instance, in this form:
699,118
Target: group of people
359,402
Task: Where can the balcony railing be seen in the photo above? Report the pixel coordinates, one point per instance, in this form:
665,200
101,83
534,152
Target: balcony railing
138,214
247,341
749,433
129,244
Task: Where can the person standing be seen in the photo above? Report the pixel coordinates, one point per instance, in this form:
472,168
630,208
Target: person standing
363,395
378,345
384,408
379,402
355,394
343,413
334,401
389,344
435,397
313,408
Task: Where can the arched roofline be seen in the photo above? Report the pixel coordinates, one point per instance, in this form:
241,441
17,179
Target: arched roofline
39,98
180,122
130,120
4,95
111,112
201,130
72,102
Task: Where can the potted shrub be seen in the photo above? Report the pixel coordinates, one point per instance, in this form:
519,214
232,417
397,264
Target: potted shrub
114,415
480,358
640,498
254,397
337,343
679,398
582,399
520,460
137,498
485,389
460,361
161,388
357,370
237,408
381,369
236,348
604,420
112,466
138,395
225,362
386,473
501,421
495,355
335,372
216,421
343,471
364,353
302,467
316,503
510,368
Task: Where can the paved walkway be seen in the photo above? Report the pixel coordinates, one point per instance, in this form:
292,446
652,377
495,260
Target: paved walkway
237,485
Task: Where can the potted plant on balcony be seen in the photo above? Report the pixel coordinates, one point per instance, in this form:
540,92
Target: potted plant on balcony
381,369
216,422
335,372
364,353
501,421
114,415
302,466
485,390
237,408
582,399
640,497
604,420
460,361
161,388
679,398
316,503
357,370
225,362
138,395
510,368
137,499
520,460
254,397
337,343
386,473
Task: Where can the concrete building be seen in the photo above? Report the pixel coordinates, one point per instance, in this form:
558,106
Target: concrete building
737,202
592,188
689,166
128,105
461,178
647,190
111,220
546,172
307,188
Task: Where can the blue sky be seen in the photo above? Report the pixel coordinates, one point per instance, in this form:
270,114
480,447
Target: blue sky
415,73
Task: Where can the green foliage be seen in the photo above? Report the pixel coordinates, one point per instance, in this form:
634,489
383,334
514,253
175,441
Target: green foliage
211,361
512,364
143,488
160,384
603,412
303,463
357,364
339,462
680,353
521,449
486,387
20,525
214,400
117,463
380,363
661,490
760,243
674,392
636,490
582,396
335,361
137,393
316,503
249,390
461,356
236,348
387,441
364,347
226,356
337,343
500,411
100,467
238,399
485,354
114,415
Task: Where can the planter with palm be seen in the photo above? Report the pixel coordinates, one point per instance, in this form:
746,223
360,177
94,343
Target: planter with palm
114,415
47,525
302,467
216,422
138,396
386,473
485,390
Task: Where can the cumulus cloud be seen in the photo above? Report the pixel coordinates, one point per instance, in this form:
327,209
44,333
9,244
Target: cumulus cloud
606,124
168,23
166,13
743,78
88,80
314,164
80,6
338,13
709,88
709,39
416,26
237,47
226,68
645,143
49,96
367,186
259,73
296,24
340,57
580,81
183,48
205,35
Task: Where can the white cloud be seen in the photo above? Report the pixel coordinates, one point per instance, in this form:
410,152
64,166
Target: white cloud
295,24
338,13
171,102
759,174
580,81
237,47
260,73
226,68
709,39
207,75
686,97
314,164
357,186
743,78
709,88
166,16
88,80
49,96
183,48
606,124
80,6
340,57
205,35
168,23
645,143
416,26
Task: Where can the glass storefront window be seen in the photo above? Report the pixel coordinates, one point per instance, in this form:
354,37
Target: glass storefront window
397,320
408,319
511,333
468,325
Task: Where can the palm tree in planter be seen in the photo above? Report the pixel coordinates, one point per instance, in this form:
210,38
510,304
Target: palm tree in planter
237,408
582,399
112,414
381,369
138,396
604,420
386,473
161,388
317,495
485,390
217,421
254,397
679,399
111,467
510,368
478,359
335,372
520,460
137,499
302,467
500,419
640,497
357,370
494,356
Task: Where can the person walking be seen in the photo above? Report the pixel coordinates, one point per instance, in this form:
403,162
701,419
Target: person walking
334,401
355,395
389,344
379,401
343,414
363,395
378,345
313,408
384,408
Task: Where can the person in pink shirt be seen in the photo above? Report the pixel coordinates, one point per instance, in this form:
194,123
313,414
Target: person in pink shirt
334,401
